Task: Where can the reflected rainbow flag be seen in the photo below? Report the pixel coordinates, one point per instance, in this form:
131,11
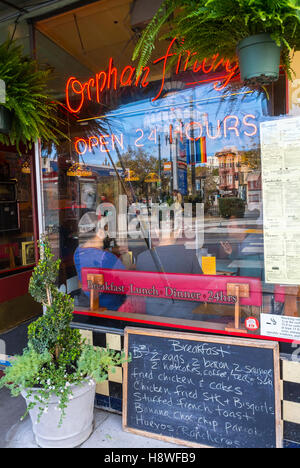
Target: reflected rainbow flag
201,152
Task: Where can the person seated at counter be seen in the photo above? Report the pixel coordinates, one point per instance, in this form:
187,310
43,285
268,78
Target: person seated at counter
169,256
92,255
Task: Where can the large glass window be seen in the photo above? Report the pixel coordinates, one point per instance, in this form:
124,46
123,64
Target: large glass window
16,215
155,203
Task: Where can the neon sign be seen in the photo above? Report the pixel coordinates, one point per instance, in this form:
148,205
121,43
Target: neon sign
192,131
112,78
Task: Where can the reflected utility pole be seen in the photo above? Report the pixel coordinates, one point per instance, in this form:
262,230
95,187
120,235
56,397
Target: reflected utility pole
192,146
159,166
169,140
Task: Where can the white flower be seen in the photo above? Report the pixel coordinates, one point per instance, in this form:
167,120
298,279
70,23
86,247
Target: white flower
68,384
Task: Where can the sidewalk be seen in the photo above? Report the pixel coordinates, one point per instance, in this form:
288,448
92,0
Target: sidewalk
108,431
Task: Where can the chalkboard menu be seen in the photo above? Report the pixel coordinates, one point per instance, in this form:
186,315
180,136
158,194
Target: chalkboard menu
202,391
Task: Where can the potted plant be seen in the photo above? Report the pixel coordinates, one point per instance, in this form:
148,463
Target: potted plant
261,32
29,112
58,371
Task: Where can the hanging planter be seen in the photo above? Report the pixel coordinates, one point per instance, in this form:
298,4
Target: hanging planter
264,33
259,59
27,110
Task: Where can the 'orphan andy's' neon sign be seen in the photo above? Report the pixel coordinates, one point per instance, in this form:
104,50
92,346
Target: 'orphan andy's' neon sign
92,89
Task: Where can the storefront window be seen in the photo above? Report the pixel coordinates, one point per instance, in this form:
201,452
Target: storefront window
156,204
16,219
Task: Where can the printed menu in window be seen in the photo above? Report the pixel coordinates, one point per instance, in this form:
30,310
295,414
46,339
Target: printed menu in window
280,153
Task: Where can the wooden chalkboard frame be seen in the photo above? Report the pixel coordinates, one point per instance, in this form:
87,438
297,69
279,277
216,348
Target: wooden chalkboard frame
263,344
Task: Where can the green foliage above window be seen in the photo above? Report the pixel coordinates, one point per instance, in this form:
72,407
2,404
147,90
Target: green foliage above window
209,27
33,111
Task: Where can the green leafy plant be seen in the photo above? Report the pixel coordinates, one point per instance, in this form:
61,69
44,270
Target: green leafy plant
56,357
34,113
211,27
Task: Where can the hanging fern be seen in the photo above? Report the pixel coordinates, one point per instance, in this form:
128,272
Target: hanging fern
146,44
33,111
209,27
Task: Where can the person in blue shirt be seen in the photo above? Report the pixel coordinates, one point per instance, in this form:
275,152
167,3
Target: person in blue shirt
92,255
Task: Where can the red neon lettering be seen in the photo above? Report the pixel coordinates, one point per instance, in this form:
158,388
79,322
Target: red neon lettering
195,68
234,128
80,140
153,136
171,134
165,59
91,144
103,144
193,125
212,65
138,139
219,63
128,82
139,77
120,142
218,135
87,86
188,59
255,129
109,79
145,83
112,73
178,64
100,88
71,82
231,72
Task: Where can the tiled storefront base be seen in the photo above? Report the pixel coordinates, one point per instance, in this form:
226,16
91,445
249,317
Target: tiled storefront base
109,393
290,378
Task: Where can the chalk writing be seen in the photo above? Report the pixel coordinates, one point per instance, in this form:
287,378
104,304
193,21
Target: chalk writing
205,393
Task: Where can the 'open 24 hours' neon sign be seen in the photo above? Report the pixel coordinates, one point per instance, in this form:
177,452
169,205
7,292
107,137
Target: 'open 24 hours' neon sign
93,89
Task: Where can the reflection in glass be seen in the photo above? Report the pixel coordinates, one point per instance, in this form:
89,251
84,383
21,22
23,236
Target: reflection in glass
173,185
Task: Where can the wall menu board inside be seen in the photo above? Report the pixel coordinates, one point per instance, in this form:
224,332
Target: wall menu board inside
280,154
202,391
